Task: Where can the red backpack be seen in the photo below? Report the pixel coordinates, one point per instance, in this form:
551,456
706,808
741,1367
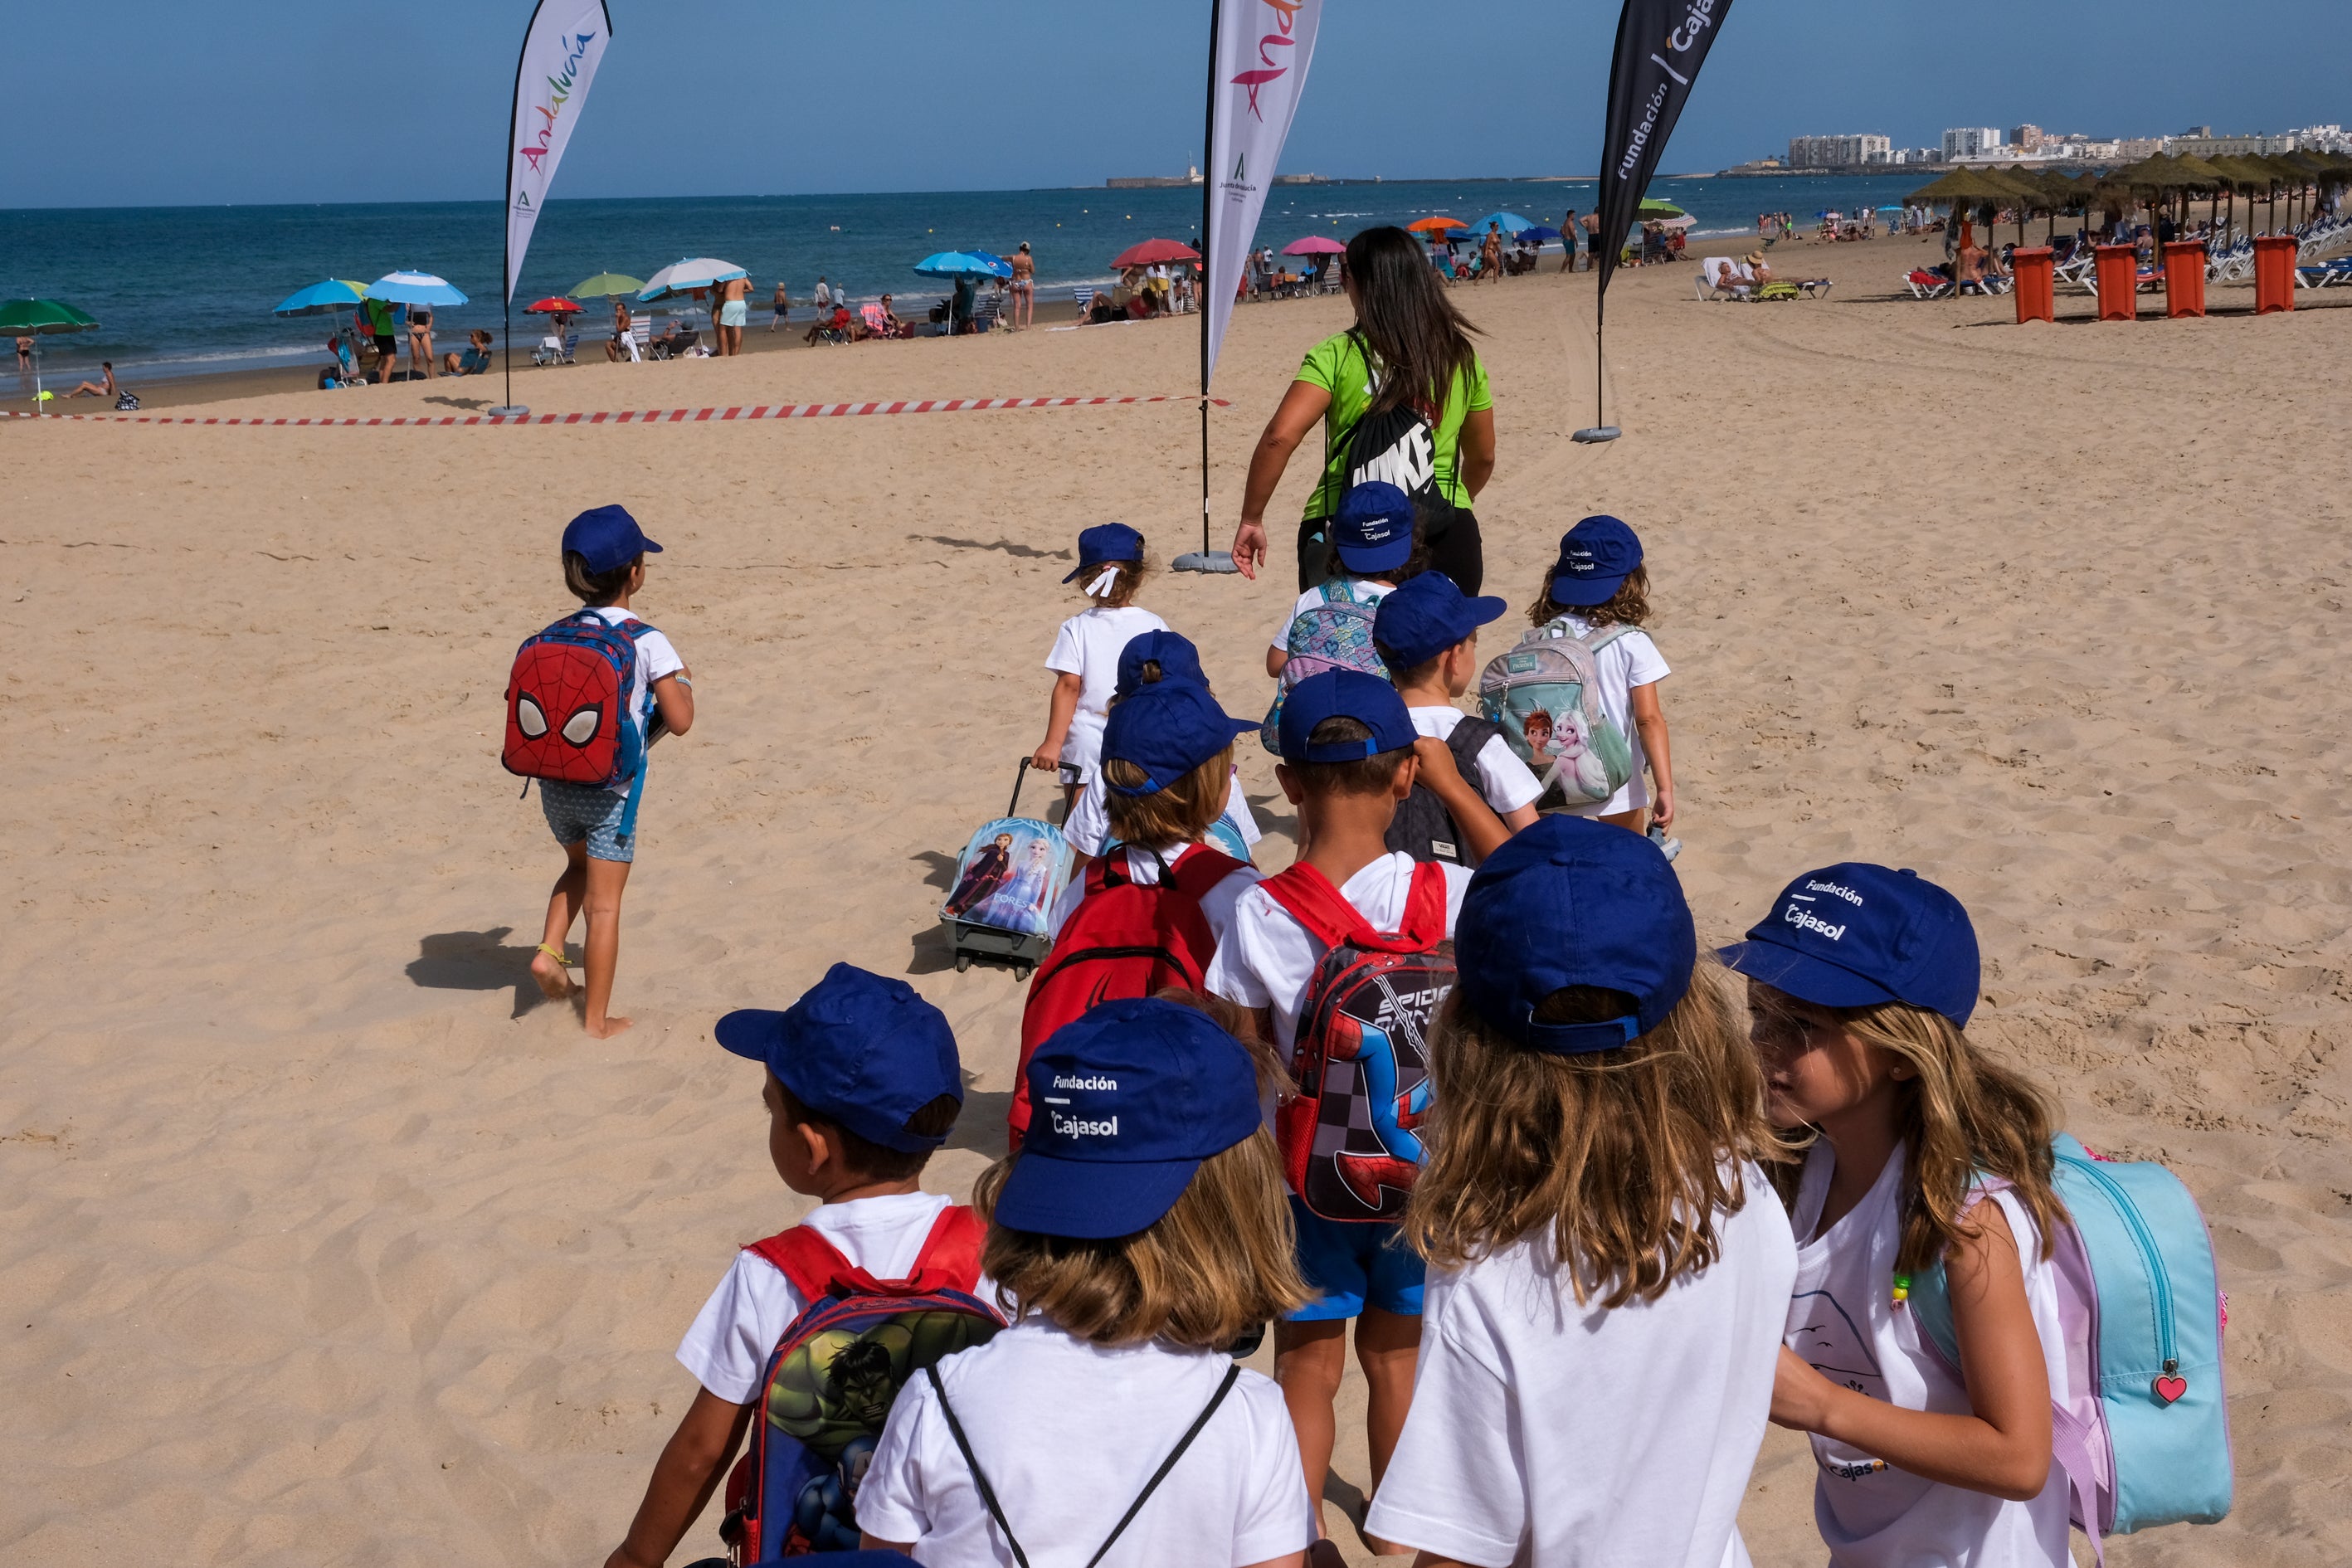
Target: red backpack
1125,940
568,712
1350,1138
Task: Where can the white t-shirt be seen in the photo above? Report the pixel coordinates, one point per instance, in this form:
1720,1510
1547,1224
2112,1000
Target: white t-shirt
824,294
1088,826
655,659
739,1327
1068,1433
1545,1433
1362,590
1267,958
1843,1320
1631,660
1088,646
1216,904
1506,782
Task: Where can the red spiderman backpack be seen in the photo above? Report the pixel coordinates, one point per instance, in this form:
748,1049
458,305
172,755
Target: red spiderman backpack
1125,940
1350,1138
568,715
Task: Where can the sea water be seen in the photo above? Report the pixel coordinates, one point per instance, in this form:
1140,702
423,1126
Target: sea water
182,291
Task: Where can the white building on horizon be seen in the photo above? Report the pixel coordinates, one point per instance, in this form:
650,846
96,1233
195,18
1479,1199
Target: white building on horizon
1839,151
1971,142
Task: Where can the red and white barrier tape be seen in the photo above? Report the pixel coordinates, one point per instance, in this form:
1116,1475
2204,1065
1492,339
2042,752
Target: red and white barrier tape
658,416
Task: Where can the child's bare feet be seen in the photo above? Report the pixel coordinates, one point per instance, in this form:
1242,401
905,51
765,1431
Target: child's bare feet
606,1028
547,968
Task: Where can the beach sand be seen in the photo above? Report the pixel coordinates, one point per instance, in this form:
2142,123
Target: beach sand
325,1245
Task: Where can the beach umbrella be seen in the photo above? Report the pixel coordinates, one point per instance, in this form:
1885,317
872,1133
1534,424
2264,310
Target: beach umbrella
605,286
553,305
997,266
1314,244
1435,225
694,272
1538,235
1151,252
39,319
1654,208
330,297
414,288
1509,223
953,264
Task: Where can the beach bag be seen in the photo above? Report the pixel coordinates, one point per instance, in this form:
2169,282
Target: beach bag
832,1379
1125,940
1334,634
2143,1431
1399,447
569,716
1350,1139
126,403
1550,682
1421,826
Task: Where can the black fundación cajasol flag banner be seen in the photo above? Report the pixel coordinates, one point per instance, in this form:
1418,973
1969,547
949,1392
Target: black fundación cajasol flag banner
1661,44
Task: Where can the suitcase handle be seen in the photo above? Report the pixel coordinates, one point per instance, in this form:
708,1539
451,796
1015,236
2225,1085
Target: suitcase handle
1014,809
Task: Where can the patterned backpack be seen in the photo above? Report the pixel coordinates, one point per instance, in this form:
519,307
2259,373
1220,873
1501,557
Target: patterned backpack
833,1377
1334,634
568,710
1545,696
1350,1139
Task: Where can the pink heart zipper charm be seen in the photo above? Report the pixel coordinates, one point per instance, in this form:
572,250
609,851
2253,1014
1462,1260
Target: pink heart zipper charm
2170,1388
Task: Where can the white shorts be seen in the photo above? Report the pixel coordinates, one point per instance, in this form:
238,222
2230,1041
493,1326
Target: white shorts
1083,747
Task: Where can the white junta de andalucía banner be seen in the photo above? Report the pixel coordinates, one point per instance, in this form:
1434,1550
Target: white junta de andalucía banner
559,52
1259,71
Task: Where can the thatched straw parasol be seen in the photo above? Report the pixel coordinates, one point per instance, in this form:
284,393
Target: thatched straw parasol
1965,187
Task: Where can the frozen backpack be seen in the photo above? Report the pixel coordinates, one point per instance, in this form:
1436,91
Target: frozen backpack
1545,696
1336,634
1349,1136
830,1380
1125,940
1421,826
2142,1431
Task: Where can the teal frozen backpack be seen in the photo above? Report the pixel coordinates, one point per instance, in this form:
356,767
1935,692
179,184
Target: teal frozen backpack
2143,1432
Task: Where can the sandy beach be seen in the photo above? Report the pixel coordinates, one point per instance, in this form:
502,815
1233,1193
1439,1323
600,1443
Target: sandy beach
327,1246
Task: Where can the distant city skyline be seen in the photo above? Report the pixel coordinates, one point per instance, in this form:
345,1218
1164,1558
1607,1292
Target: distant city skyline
2029,142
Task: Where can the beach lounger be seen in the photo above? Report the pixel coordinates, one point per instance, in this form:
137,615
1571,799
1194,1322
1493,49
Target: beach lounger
1813,288
640,334
987,312
1926,285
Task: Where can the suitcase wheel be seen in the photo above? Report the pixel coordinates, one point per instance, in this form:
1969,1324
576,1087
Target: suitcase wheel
963,961
1023,971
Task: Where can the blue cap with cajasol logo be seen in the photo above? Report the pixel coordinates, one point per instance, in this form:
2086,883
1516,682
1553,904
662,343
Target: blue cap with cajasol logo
1572,902
1423,618
1596,556
1130,1099
1344,694
1103,544
607,538
1167,730
859,1049
1174,654
1374,529
1855,934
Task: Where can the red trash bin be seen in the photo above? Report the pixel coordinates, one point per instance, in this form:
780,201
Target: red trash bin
2117,266
2184,277
2273,273
2037,287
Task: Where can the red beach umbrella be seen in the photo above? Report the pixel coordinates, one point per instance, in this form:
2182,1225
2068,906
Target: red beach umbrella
1431,225
554,305
1314,244
1151,252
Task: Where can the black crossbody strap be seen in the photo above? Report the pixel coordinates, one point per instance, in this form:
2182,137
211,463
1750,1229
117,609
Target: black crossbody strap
979,1477
1233,1374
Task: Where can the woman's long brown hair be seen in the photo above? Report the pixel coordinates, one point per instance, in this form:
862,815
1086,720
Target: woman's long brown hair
1407,324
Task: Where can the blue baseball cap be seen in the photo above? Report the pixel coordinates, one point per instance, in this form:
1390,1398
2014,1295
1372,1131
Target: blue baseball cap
1374,529
1425,616
1572,901
1168,730
857,1050
1129,1100
1854,934
607,538
1105,542
1344,694
1177,657
1596,556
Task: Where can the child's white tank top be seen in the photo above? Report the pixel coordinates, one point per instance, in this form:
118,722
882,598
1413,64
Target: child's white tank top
1843,1320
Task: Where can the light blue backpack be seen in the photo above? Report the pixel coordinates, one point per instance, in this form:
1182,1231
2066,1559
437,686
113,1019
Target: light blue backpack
2143,1433
1336,634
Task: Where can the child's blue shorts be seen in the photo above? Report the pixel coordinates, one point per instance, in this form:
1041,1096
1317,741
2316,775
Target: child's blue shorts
1354,1264
575,812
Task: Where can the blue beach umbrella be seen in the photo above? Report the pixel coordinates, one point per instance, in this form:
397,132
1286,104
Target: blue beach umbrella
687,275
329,297
957,264
997,266
414,288
1510,223
1539,235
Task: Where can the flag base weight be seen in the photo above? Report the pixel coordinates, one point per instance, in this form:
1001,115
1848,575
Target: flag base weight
1593,433
1199,561
509,411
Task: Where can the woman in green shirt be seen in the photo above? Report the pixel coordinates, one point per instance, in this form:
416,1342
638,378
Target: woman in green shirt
1407,344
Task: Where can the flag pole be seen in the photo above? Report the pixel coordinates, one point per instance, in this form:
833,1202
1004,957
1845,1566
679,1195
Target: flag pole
1597,431
511,408
1207,559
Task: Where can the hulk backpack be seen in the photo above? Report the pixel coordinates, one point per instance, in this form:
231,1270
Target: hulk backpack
1421,826
2143,1432
1125,940
1350,1137
832,1376
1334,634
1550,684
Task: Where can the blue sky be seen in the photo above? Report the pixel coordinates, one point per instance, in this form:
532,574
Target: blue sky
138,102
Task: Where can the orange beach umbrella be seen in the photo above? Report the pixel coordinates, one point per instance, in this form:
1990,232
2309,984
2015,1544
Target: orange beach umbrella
1431,225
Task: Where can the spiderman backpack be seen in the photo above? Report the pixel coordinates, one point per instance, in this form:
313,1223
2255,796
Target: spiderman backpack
1350,1137
833,1377
567,716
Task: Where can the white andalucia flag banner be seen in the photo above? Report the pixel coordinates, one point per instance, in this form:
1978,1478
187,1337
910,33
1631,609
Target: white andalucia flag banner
559,52
1258,71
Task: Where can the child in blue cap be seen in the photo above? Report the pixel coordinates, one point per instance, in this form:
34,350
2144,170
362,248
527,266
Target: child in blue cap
1924,1149
1608,1267
605,555
1598,592
1373,548
1137,1234
1427,634
862,1083
1085,657
1147,660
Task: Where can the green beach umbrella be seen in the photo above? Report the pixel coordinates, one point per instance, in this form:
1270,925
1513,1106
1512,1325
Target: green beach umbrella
605,285
39,318
1653,208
